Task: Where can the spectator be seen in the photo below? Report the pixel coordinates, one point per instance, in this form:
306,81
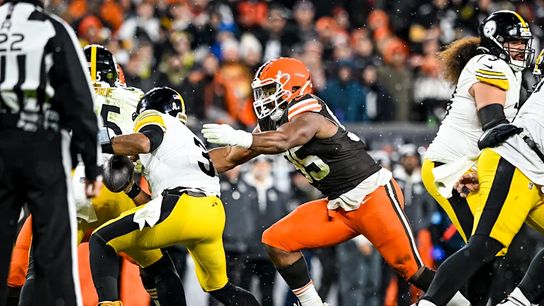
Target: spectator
431,92
360,273
269,205
143,26
277,38
252,14
363,49
251,51
379,103
345,96
418,207
397,78
234,93
239,226
304,12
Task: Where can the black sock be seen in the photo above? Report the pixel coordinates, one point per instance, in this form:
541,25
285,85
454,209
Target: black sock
479,285
167,281
423,278
459,267
104,269
532,285
231,295
296,275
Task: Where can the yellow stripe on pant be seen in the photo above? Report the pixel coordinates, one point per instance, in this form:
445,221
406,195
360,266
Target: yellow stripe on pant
508,198
195,222
459,210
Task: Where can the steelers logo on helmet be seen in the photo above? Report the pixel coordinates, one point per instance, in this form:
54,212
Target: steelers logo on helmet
490,28
507,35
162,99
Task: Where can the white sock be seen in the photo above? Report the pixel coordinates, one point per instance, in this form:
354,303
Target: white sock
424,302
519,296
458,300
307,295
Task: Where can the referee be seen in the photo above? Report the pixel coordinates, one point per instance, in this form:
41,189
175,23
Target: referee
44,93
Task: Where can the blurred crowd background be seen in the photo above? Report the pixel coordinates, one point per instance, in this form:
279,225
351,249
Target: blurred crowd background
372,61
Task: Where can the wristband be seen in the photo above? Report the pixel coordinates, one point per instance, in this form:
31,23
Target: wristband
134,191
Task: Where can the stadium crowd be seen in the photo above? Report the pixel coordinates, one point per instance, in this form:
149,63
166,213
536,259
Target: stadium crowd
380,54
371,60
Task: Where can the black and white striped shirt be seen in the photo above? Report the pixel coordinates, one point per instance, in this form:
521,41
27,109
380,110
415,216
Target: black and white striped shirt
43,80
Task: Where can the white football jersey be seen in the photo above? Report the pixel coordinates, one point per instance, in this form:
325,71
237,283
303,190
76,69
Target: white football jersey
181,160
116,106
515,150
460,130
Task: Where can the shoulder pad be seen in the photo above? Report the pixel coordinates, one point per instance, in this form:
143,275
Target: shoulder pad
148,117
491,70
307,104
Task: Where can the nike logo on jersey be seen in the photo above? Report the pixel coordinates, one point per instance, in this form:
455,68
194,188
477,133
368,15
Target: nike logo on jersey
488,66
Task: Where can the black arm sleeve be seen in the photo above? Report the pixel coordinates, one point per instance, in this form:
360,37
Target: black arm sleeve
155,134
73,95
491,115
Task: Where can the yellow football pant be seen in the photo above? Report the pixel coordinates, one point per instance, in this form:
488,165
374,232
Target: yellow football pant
508,198
459,210
195,222
107,205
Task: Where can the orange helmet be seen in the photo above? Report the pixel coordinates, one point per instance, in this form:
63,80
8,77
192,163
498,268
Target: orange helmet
278,82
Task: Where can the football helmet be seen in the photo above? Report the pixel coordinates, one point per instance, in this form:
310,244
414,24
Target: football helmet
162,99
538,70
278,82
505,26
102,65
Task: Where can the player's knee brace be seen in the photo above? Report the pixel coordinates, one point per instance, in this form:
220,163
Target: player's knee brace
231,295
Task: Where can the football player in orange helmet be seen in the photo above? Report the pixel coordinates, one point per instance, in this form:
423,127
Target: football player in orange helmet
361,197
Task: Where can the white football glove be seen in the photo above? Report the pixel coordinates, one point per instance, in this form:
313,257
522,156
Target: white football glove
224,134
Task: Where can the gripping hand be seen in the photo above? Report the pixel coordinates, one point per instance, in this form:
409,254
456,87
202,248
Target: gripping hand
497,135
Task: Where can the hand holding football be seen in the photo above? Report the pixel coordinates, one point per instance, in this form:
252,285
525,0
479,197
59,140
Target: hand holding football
118,173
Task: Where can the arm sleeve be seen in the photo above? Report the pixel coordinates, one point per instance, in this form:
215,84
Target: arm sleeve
155,135
73,94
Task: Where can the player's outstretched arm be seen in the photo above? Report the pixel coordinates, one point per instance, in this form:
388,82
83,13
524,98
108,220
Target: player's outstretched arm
226,158
131,145
294,133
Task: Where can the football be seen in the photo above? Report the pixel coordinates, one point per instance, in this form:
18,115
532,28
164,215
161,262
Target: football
118,172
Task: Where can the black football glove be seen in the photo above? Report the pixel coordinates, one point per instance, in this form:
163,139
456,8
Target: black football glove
497,135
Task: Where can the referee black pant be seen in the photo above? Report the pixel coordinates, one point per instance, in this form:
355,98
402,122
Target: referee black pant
34,169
